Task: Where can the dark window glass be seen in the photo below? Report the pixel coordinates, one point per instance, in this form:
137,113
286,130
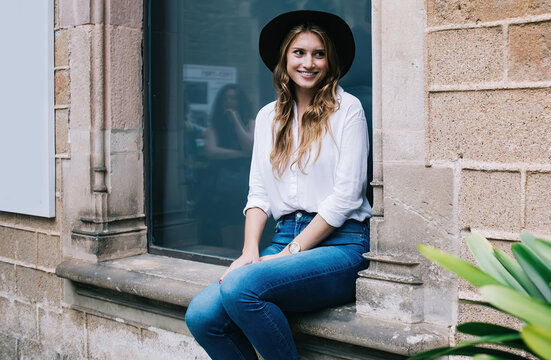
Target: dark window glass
205,83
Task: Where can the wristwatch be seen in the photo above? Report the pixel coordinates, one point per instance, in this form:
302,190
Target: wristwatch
294,247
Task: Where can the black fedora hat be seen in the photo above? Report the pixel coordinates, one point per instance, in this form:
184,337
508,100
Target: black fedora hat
274,32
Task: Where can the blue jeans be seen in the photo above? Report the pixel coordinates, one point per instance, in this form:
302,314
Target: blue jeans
248,308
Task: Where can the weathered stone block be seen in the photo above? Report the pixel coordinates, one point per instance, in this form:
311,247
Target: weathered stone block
126,195
7,219
26,248
404,146
56,14
61,87
49,250
126,141
465,55
126,78
8,347
433,201
389,300
109,245
7,278
530,52
443,12
58,182
63,333
80,71
403,228
500,126
74,12
18,319
406,225
37,223
108,339
490,200
38,286
538,204
127,12
8,241
61,47
61,131
169,345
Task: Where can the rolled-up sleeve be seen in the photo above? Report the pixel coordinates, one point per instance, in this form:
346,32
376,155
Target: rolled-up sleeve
350,179
258,197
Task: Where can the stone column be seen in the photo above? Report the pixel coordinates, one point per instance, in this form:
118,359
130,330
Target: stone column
416,205
103,185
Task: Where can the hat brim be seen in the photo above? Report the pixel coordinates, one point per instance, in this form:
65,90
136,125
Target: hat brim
274,32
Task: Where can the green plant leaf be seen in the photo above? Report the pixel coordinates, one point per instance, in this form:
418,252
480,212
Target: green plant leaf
467,346
532,243
536,270
465,351
544,249
483,253
518,273
527,239
482,329
486,329
487,357
538,339
531,310
461,267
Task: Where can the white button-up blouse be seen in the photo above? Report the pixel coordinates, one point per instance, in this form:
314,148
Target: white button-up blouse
334,186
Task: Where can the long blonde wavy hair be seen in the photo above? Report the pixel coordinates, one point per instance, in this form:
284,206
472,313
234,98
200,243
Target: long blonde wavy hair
315,120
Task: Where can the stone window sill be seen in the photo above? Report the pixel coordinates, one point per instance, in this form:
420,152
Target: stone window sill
175,281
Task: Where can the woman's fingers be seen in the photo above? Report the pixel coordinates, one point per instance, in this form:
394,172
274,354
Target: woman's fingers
241,261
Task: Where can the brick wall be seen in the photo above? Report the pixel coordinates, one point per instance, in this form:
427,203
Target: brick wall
489,115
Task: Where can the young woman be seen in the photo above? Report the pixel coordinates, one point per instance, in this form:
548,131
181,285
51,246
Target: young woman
308,170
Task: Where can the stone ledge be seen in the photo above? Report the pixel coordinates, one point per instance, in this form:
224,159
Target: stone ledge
176,281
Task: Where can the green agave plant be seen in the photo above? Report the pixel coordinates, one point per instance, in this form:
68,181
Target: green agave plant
519,286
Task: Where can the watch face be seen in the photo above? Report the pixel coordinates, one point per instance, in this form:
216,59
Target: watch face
294,248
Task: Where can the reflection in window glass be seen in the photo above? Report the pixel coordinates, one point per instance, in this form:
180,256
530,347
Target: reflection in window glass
206,84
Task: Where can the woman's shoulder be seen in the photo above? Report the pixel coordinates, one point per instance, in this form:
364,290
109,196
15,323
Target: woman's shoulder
347,100
350,108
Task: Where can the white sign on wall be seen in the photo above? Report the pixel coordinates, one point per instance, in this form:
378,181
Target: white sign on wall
207,80
27,150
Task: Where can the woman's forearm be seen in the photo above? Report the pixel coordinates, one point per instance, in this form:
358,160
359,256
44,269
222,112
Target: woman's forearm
255,221
313,234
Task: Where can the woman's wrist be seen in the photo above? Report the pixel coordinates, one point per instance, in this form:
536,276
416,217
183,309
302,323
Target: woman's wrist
250,249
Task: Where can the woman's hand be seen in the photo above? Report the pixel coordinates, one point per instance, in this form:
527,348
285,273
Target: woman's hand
245,259
233,116
283,252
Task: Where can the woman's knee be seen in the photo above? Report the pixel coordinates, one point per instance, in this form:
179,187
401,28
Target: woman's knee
205,313
236,289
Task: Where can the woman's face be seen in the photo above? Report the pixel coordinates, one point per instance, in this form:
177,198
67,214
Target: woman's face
306,61
230,99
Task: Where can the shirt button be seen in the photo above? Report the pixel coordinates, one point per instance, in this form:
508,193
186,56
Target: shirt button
299,215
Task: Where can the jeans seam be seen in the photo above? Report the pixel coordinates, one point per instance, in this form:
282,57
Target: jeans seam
274,326
226,334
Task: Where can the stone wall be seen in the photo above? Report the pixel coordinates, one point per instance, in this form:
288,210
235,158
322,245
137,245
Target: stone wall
489,117
37,320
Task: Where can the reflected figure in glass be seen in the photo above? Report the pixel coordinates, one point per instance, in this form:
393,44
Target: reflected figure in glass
227,150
